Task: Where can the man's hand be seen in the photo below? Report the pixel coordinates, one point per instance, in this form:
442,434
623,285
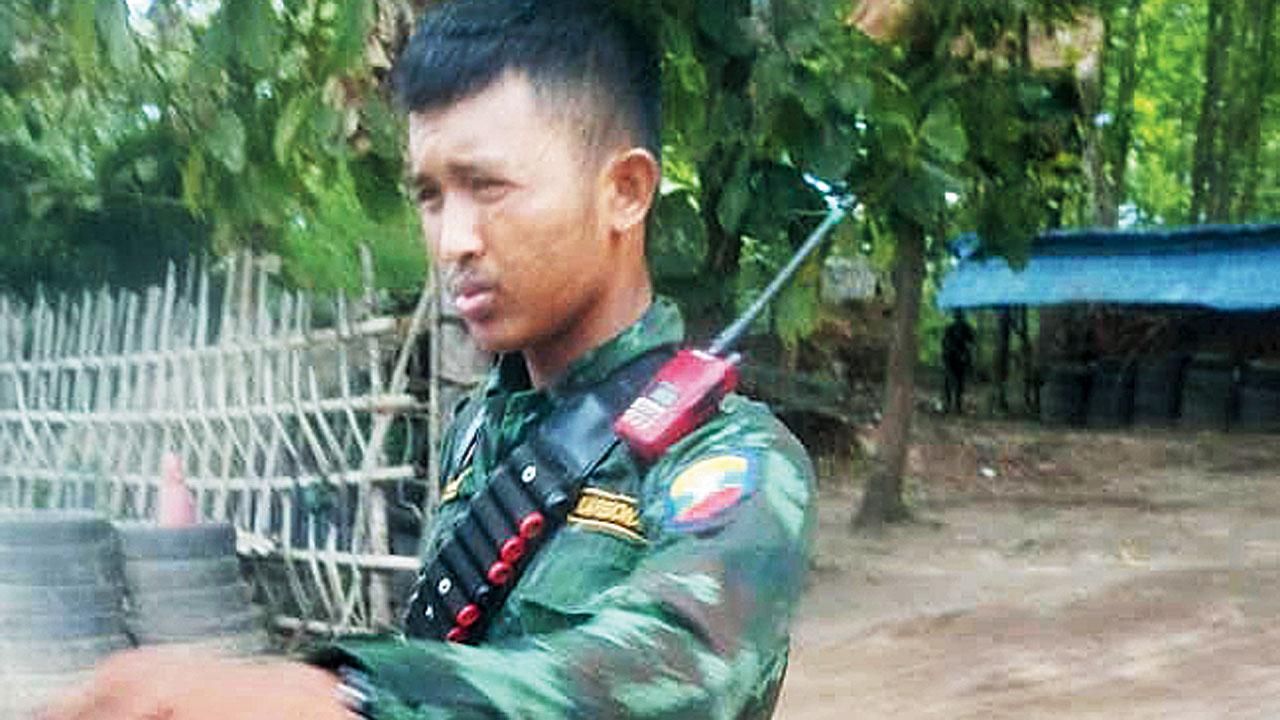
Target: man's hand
180,684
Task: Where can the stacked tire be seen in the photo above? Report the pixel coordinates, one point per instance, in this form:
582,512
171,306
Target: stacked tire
1208,394
1065,398
1111,394
61,605
1260,398
184,586
1157,390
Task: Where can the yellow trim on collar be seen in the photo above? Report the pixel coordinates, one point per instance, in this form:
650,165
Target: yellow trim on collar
451,488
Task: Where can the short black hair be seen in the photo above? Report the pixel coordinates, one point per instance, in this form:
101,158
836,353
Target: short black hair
582,52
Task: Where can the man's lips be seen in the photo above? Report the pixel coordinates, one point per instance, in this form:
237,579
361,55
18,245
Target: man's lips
473,298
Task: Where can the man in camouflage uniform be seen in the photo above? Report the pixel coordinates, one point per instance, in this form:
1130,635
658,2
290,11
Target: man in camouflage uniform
669,591
667,595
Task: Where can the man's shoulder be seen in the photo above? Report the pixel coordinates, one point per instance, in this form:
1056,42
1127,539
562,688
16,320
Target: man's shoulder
743,428
742,468
744,420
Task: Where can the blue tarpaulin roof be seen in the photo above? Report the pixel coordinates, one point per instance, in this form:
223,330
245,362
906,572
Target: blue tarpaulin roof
1227,267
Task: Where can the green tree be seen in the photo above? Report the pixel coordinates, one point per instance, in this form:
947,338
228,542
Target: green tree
1206,118
756,95
1258,77
1165,107
261,125
961,122
1107,91
1210,174
88,185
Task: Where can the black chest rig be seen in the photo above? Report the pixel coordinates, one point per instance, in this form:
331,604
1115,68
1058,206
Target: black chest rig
526,499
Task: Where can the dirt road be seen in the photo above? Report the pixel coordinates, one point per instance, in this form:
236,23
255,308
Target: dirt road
1094,576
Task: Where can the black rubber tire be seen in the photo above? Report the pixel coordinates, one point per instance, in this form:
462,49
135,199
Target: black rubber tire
1065,396
48,628
1111,396
42,528
149,542
27,599
145,576
1207,397
62,565
26,693
194,628
197,610
1157,390
68,655
237,644
191,602
1261,375
1259,409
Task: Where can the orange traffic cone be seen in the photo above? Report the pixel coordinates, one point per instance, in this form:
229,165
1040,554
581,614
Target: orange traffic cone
177,506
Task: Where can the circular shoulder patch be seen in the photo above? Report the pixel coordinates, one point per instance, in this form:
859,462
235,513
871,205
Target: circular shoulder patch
703,491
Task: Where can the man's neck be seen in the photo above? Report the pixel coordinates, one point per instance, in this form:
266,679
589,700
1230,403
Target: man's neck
549,361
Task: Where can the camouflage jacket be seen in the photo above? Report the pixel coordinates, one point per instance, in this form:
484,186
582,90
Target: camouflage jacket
667,595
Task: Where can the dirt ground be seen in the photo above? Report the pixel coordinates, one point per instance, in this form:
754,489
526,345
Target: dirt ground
1051,574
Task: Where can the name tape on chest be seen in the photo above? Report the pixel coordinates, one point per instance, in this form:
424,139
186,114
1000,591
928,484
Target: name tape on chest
704,491
610,512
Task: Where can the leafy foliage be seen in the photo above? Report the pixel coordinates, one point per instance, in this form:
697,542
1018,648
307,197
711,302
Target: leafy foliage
86,191
748,111
267,125
1173,40
935,125
201,127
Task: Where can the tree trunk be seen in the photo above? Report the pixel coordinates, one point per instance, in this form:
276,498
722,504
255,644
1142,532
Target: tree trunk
1205,171
882,502
1243,42
1030,373
1126,49
1003,333
1257,91
1101,202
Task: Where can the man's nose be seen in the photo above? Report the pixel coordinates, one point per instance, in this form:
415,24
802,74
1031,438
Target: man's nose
458,235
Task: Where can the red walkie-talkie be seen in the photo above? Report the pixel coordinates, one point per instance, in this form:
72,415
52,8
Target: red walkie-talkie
689,388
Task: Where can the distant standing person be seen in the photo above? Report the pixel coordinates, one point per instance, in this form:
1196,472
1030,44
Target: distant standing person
957,357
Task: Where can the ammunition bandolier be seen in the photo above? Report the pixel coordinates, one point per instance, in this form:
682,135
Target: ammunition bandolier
526,499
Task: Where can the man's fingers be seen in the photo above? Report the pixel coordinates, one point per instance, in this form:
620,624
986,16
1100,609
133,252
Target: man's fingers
184,686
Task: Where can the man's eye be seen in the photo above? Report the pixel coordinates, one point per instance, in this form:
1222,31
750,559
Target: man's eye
429,197
488,188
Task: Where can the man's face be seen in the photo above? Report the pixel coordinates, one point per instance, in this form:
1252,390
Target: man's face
509,205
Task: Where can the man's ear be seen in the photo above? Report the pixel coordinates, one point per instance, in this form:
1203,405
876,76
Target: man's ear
631,180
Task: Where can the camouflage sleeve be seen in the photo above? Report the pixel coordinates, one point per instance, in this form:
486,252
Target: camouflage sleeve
699,629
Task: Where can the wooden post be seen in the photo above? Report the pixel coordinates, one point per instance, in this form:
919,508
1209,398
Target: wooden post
379,532
1030,370
1001,375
